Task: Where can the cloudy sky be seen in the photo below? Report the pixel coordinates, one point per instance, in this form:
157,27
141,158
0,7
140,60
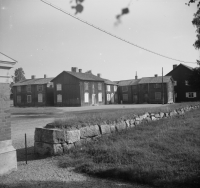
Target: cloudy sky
45,40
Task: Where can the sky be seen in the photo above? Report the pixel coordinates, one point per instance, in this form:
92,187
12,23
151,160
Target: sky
45,40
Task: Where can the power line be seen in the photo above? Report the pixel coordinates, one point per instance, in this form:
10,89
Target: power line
108,33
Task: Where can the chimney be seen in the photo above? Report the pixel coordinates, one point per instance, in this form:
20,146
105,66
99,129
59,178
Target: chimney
33,77
89,72
45,76
99,75
136,77
76,69
156,75
72,69
174,66
80,70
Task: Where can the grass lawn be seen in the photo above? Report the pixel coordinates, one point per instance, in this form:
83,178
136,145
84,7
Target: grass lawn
165,153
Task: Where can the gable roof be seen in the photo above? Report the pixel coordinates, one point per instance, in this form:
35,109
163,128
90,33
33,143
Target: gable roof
190,68
36,81
153,80
125,82
109,82
83,76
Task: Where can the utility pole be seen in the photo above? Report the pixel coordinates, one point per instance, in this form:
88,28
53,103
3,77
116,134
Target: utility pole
162,88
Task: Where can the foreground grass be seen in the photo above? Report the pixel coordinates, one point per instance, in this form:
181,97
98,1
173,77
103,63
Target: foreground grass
164,153
102,116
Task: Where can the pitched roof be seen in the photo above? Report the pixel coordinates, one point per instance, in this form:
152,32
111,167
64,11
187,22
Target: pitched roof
190,68
125,82
83,76
36,81
109,82
151,80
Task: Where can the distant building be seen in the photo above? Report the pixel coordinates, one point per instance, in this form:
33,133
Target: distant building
183,91
74,88
146,90
33,92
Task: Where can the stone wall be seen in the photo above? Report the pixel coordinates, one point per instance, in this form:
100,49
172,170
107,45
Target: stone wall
58,141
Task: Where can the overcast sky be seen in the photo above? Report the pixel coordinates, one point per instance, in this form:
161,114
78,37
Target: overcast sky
46,41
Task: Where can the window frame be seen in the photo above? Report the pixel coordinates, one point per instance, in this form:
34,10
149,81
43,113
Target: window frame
125,99
86,86
19,97
157,85
156,96
108,88
59,101
27,97
19,89
40,101
187,83
99,86
58,88
38,88
123,89
194,95
108,97
88,98
100,96
115,88
28,88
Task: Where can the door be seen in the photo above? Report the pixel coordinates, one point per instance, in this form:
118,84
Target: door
146,98
112,98
93,99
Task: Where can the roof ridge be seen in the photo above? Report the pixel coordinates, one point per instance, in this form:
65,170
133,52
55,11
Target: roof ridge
8,57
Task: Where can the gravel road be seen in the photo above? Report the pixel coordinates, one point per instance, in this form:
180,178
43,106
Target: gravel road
45,172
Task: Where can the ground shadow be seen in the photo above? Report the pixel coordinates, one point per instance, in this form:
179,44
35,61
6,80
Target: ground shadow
31,156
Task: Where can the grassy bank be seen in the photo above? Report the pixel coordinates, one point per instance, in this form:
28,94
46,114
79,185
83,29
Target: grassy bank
164,153
102,116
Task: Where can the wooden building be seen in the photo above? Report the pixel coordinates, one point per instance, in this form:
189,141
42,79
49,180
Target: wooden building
74,88
146,90
183,92
33,92
111,94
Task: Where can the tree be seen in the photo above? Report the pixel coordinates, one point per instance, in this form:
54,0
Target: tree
19,75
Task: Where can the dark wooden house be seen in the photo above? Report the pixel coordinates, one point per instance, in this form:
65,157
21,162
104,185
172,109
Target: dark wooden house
74,88
111,94
183,92
146,90
33,92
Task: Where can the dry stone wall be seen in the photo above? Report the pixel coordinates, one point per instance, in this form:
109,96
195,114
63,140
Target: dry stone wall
54,141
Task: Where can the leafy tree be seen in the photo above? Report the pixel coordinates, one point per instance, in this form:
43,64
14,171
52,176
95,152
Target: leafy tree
19,75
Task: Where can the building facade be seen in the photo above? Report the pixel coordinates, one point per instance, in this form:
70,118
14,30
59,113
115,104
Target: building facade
183,92
152,90
74,88
33,92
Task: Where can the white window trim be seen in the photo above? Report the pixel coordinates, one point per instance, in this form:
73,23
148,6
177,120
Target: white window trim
40,99
59,87
100,97
194,94
99,86
115,88
18,89
108,87
86,86
108,97
86,100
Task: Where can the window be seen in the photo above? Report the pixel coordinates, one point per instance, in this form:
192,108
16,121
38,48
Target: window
157,85
28,88
115,88
124,88
108,97
59,98
86,86
175,83
186,83
191,94
125,97
157,95
86,97
40,97
108,87
29,99
39,88
99,86
58,87
19,99
18,89
100,97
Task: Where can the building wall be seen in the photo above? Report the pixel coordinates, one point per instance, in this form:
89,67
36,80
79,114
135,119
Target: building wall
128,93
112,92
47,93
93,91
180,74
5,123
